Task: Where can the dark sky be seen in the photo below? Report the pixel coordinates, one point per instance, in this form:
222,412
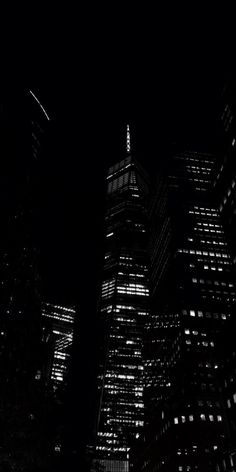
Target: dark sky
165,85
94,71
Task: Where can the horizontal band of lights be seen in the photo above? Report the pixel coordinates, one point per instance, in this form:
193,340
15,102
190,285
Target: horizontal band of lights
201,417
133,289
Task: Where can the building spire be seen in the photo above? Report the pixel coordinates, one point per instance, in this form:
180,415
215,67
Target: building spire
128,146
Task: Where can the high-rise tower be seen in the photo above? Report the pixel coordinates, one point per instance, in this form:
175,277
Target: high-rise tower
191,296
123,308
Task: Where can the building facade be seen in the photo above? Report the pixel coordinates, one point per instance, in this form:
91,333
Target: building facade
192,294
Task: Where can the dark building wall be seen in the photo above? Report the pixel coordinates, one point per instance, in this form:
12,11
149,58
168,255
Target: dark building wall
23,345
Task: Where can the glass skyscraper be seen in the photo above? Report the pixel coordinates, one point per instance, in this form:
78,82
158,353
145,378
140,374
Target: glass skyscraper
123,308
191,296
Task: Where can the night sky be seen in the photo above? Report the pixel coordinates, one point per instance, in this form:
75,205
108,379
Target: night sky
165,98
163,73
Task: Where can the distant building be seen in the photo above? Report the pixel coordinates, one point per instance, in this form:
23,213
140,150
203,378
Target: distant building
60,320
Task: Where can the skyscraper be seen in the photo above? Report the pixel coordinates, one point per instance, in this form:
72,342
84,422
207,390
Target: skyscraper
123,308
192,294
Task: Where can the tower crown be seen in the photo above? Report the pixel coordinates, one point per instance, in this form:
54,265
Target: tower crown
128,145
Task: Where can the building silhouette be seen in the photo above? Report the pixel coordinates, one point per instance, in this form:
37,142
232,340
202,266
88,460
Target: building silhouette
23,346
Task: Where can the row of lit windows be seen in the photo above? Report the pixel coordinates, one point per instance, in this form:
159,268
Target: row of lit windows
60,355
125,320
106,434
212,210
202,417
211,225
200,314
134,387
131,275
214,261
194,332
203,213
216,282
211,241
59,317
204,253
206,230
203,181
62,308
198,168
126,420
133,289
124,307
194,156
201,343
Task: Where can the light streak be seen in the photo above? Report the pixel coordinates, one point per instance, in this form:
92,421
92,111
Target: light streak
41,106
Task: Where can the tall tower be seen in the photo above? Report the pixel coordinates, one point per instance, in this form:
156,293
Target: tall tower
123,308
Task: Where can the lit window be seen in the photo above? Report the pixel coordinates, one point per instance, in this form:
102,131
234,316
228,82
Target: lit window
219,418
176,421
190,417
192,313
234,397
211,417
203,417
